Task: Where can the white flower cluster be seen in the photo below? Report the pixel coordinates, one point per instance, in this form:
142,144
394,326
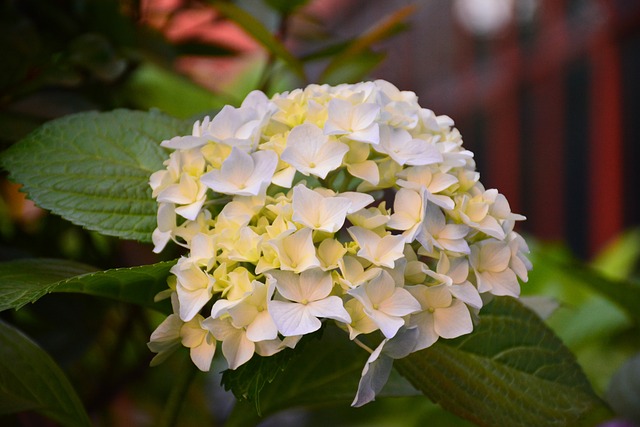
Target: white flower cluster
350,203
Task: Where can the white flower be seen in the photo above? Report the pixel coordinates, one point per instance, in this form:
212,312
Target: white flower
423,177
453,273
194,288
371,218
282,206
360,322
203,250
519,262
474,211
188,192
312,152
357,122
441,315
236,127
317,211
358,200
243,174
250,312
200,342
165,339
490,262
197,139
166,219
236,347
382,251
385,303
408,212
296,251
330,253
358,163
378,367
434,231
307,300
404,149
354,274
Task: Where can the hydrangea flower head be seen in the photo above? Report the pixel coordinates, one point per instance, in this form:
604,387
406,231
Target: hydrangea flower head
282,205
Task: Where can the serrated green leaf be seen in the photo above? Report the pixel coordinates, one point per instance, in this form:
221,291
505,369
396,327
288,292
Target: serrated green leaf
134,285
31,380
247,381
25,281
510,371
93,168
319,370
261,34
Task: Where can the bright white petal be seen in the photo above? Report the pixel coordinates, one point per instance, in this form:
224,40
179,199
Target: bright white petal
202,355
331,308
262,328
503,283
400,304
237,349
293,318
364,116
288,284
315,284
284,177
191,302
380,288
426,331
495,256
467,293
358,200
367,170
453,321
389,325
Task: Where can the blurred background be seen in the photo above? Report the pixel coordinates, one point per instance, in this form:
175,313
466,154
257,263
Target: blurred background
546,93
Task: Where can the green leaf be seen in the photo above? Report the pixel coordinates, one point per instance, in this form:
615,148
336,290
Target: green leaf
510,371
93,168
620,257
581,279
31,380
286,7
261,34
25,281
624,293
319,370
389,26
247,381
134,285
151,86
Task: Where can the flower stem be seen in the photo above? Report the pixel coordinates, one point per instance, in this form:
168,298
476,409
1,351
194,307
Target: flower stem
363,345
178,393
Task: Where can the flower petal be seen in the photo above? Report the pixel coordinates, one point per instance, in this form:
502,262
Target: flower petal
453,321
293,318
331,308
